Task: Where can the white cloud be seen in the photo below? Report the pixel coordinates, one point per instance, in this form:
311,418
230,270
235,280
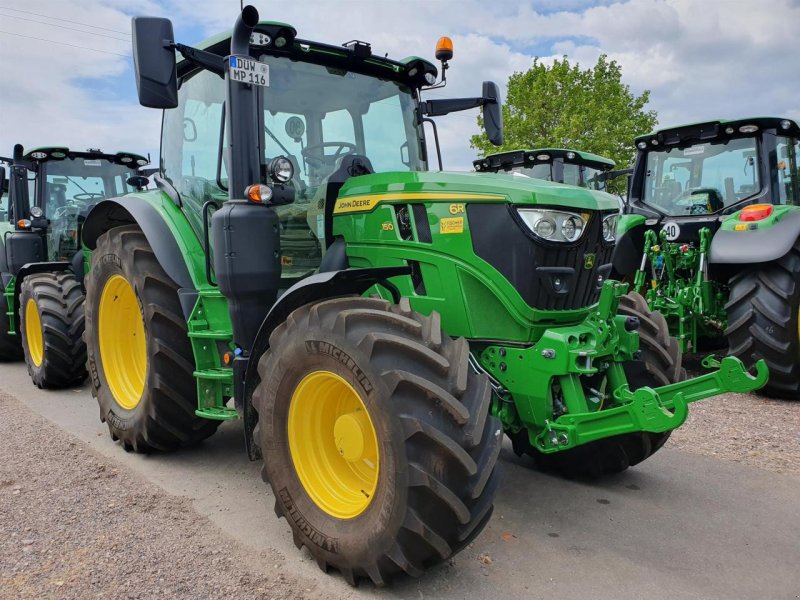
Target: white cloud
700,59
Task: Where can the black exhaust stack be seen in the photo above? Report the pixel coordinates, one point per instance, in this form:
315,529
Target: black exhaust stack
245,235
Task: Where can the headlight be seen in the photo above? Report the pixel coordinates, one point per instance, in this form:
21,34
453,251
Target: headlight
610,227
553,225
281,169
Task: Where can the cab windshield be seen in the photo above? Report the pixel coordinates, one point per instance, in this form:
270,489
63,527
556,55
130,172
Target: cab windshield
702,178
73,182
561,172
316,115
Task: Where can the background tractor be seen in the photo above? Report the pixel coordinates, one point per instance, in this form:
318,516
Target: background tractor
378,326
711,237
41,262
573,167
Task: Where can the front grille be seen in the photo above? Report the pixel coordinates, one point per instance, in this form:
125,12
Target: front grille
548,276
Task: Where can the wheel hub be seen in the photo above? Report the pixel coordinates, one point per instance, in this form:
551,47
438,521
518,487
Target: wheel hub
349,431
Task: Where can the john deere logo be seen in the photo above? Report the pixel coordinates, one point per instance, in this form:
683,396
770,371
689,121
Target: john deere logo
588,261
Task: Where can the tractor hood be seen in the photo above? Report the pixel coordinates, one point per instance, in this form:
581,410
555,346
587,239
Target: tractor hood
367,190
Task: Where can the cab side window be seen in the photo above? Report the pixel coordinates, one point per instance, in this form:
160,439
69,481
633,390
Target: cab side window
786,178
190,147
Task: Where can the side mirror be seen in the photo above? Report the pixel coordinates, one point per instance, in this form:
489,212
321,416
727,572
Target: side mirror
493,113
154,62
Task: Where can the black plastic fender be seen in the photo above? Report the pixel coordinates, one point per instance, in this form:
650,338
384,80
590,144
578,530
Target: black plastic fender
130,210
627,256
322,286
757,245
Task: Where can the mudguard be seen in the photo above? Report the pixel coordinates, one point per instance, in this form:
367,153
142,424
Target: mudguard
628,247
131,210
758,245
321,286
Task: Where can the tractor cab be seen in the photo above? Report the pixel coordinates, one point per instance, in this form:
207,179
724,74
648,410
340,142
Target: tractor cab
572,167
52,187
695,176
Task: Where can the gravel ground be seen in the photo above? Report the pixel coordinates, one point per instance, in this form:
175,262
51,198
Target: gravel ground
744,428
75,525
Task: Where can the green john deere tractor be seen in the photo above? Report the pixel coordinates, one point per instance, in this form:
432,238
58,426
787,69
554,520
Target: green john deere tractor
377,326
562,165
41,262
712,239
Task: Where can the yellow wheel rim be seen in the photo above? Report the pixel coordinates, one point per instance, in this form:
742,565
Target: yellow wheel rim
33,333
333,444
121,337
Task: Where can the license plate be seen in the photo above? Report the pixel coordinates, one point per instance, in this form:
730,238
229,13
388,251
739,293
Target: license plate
246,70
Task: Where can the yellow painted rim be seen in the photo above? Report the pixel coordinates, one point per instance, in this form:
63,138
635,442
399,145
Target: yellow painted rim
123,346
333,444
34,336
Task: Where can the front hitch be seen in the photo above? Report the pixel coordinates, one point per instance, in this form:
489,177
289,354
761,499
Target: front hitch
655,410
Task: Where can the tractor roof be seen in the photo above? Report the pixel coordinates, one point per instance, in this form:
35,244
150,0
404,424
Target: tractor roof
45,153
352,56
711,129
527,158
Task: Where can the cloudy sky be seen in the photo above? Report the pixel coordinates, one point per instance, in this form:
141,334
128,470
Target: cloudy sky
701,59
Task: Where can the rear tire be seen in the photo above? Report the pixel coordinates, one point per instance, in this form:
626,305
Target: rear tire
658,364
763,322
58,358
10,346
156,411
437,447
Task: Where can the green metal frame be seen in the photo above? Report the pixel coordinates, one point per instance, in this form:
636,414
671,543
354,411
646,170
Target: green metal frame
679,288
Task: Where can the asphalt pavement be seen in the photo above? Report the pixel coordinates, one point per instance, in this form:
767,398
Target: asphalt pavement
678,526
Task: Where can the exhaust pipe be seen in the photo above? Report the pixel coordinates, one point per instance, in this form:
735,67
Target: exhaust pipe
245,22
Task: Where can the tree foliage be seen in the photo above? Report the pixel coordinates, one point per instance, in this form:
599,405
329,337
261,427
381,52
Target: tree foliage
564,106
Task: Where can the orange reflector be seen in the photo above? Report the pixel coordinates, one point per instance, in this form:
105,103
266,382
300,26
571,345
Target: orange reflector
755,212
23,224
258,193
226,358
444,49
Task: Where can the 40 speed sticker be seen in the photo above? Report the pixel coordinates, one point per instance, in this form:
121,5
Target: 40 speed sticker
671,230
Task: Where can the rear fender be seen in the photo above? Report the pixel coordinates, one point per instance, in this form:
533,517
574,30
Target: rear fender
174,242
765,244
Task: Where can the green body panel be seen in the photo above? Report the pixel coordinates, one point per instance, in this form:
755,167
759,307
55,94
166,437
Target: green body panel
628,222
778,214
472,297
8,292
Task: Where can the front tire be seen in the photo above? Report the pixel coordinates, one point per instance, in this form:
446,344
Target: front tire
51,327
764,322
659,363
140,359
376,437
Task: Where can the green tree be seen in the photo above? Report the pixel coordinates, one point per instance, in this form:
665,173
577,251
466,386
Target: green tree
564,106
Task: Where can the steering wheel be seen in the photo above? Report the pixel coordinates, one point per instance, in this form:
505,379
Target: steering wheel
87,196
342,149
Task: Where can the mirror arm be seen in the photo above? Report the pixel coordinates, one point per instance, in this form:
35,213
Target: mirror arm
438,108
201,58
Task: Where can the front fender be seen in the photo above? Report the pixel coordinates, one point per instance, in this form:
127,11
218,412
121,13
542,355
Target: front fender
628,248
767,243
322,286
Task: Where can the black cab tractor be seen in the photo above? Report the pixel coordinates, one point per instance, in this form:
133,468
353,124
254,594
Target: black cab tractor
711,237
41,260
